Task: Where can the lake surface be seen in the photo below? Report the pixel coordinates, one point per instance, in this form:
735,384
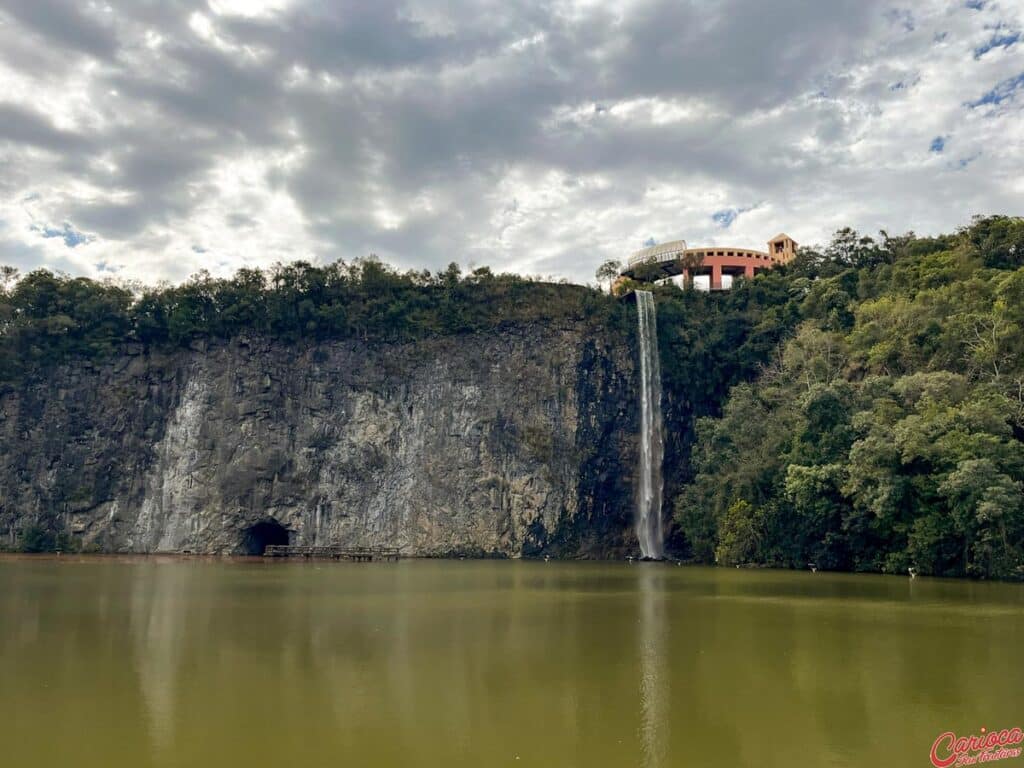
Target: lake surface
191,662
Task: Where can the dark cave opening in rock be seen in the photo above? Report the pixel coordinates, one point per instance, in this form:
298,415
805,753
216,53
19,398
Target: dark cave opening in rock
262,535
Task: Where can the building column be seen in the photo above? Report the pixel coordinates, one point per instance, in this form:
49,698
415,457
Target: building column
716,277
748,271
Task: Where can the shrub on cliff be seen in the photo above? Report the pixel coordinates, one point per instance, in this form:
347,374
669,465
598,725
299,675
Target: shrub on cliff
35,539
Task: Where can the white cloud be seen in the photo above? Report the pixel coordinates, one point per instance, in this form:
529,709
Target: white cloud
249,8
157,139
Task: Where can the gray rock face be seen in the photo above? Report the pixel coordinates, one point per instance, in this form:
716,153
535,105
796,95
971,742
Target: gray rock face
510,443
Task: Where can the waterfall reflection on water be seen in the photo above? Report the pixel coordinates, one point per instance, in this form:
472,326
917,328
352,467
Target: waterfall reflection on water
654,687
163,662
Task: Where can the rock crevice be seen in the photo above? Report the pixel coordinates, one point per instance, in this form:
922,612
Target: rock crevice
508,443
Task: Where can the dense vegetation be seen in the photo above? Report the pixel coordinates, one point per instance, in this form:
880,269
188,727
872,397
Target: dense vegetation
887,432
859,409
47,318
708,344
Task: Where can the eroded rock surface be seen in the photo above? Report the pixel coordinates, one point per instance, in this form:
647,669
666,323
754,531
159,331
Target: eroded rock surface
511,443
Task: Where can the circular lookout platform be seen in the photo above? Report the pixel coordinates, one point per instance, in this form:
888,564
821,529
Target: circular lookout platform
668,261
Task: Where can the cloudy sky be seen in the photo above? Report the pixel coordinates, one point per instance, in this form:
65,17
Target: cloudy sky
147,139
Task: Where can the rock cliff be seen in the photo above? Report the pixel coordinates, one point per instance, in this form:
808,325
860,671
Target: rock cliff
515,442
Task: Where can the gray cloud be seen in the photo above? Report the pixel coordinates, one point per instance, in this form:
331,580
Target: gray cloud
21,125
62,23
541,137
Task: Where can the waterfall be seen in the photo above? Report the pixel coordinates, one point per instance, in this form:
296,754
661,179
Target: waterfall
648,508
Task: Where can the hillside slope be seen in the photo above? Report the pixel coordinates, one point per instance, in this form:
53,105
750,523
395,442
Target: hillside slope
886,434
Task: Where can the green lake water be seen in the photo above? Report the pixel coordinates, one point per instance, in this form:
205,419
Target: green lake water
192,662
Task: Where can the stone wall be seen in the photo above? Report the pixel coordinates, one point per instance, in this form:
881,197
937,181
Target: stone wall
510,443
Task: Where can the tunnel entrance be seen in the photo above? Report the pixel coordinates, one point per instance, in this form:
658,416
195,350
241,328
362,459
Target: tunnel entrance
263,534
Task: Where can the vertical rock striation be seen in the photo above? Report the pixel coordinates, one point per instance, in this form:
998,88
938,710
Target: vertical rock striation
508,443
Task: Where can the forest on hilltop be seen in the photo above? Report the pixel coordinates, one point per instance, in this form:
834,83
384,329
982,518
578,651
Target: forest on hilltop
48,318
887,431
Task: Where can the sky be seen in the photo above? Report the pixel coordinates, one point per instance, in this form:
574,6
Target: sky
148,139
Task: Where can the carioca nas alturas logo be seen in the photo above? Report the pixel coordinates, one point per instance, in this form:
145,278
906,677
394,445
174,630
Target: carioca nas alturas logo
950,750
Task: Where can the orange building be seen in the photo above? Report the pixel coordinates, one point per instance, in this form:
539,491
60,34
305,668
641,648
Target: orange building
674,260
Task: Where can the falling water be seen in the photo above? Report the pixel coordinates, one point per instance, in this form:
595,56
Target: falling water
648,511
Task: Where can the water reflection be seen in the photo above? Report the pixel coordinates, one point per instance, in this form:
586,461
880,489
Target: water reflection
157,622
168,663
654,665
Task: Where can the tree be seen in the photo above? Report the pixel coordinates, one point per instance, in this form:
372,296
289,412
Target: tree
887,432
738,536
49,319
850,249
8,276
999,240
985,505
690,261
608,271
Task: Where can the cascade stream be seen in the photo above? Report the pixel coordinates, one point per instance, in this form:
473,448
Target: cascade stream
652,447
